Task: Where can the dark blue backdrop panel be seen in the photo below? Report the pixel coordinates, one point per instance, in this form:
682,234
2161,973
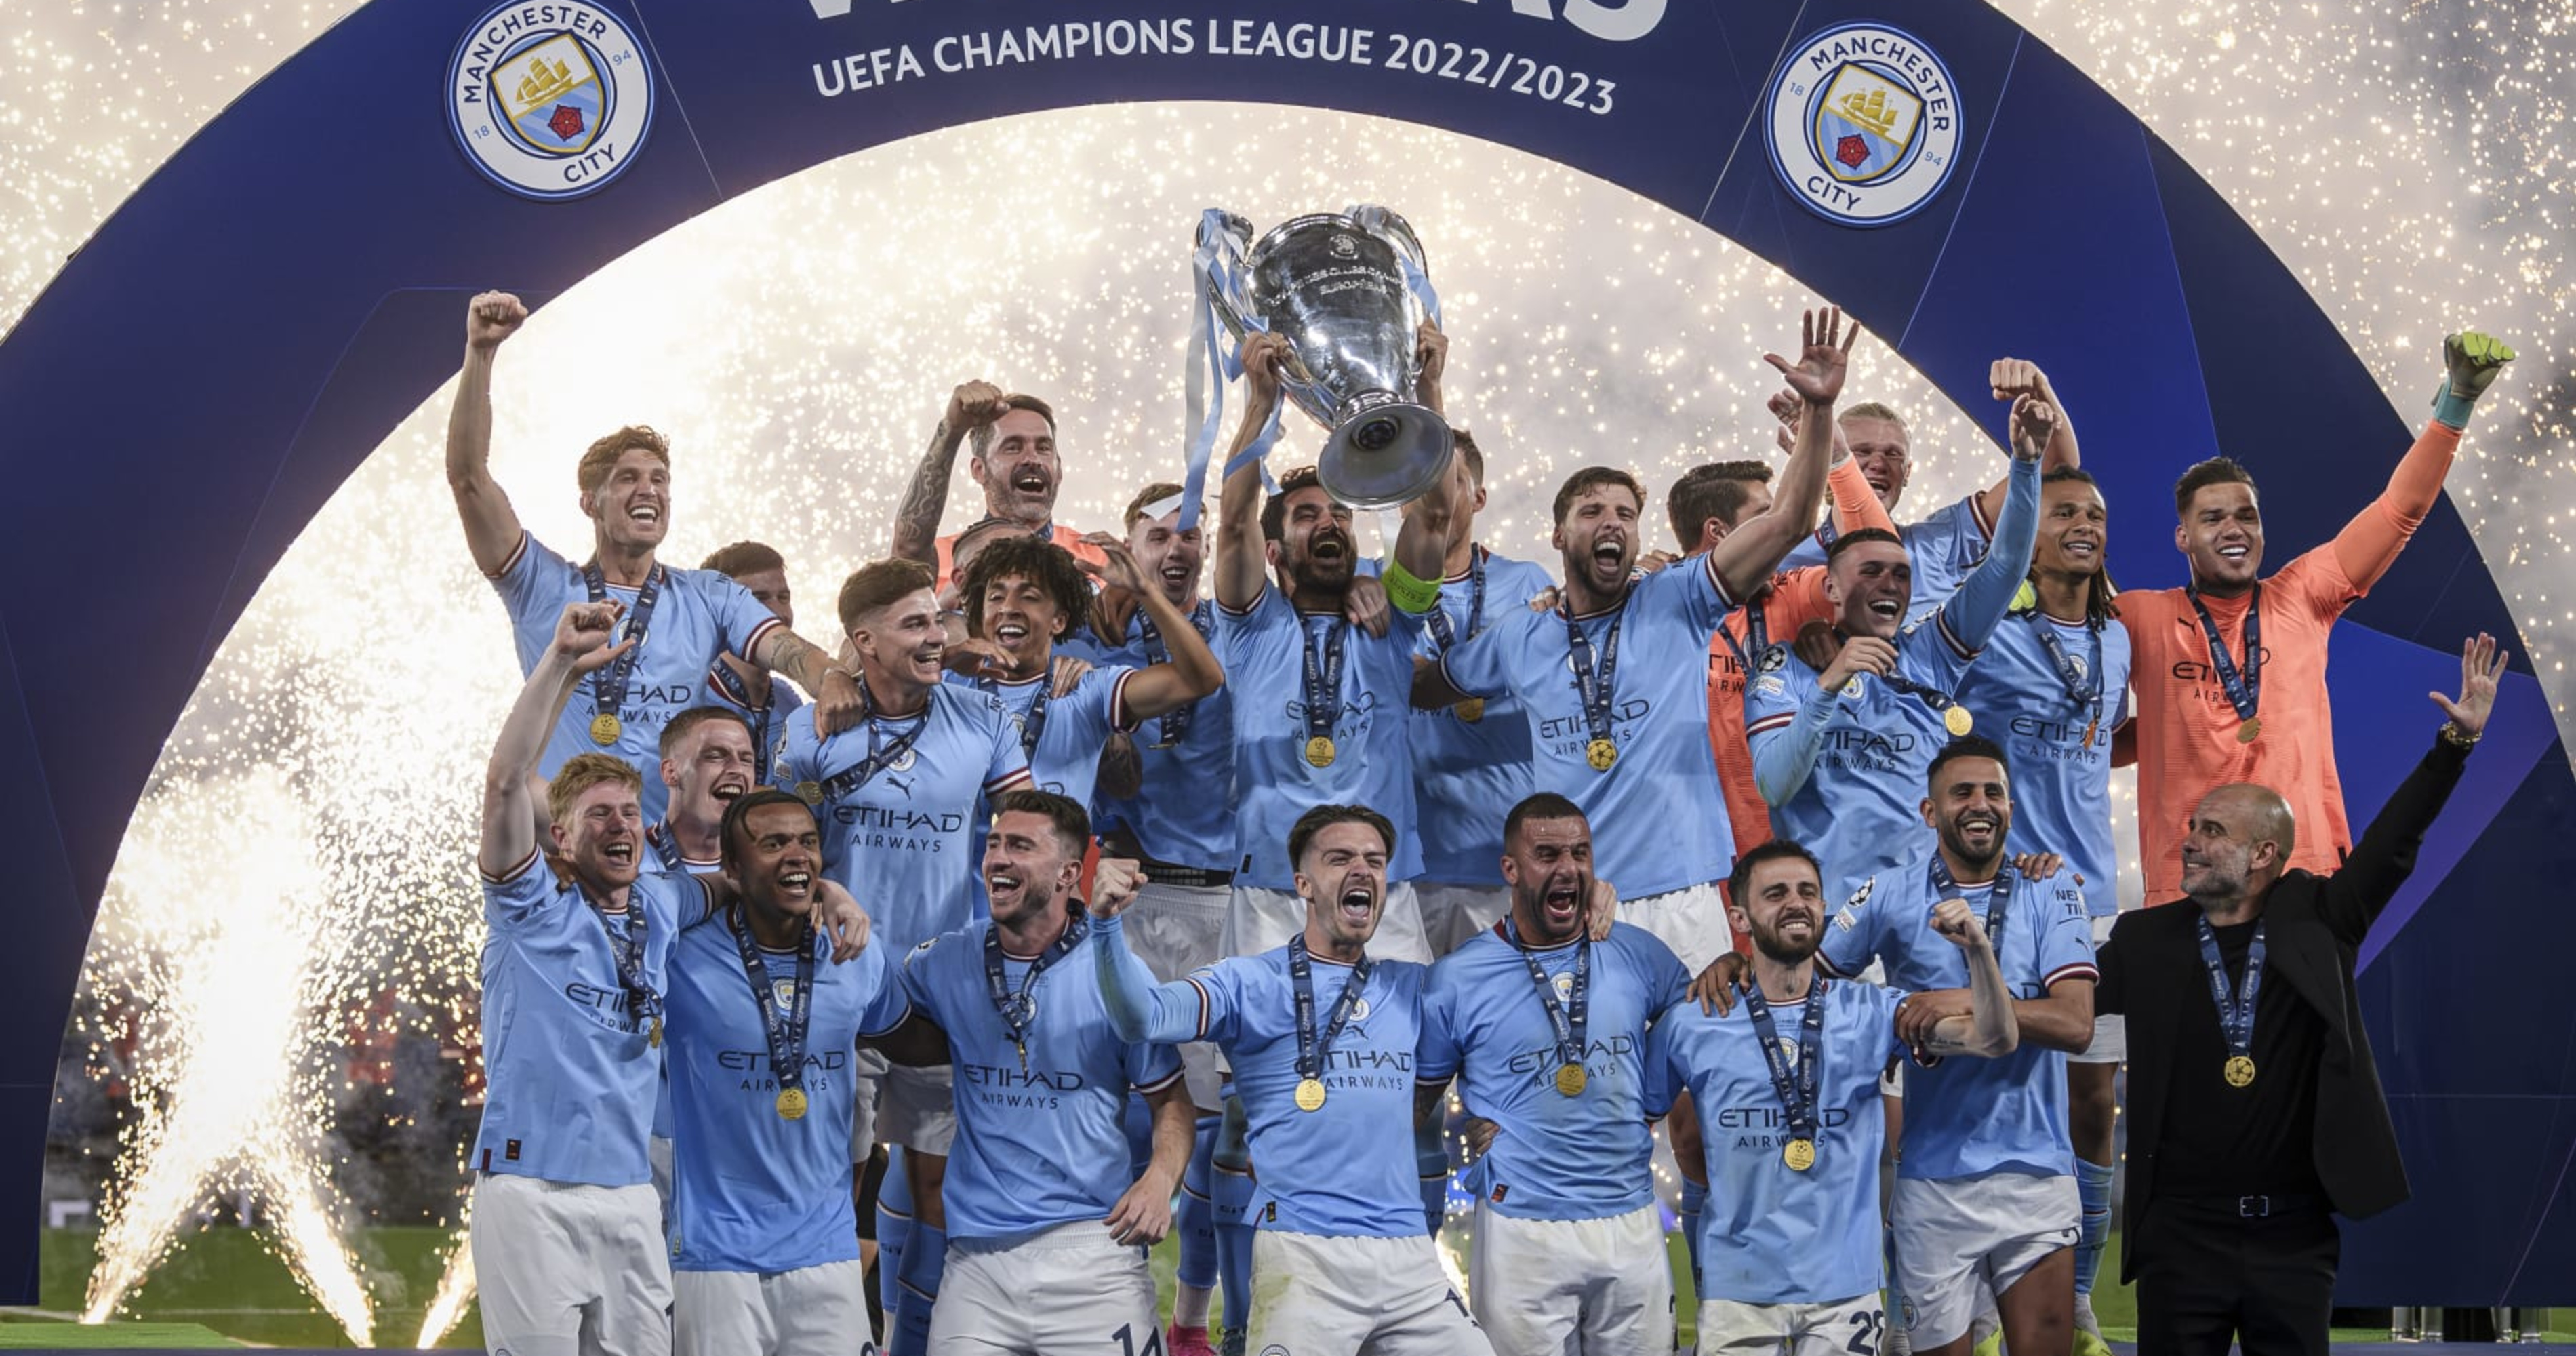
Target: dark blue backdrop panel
279,331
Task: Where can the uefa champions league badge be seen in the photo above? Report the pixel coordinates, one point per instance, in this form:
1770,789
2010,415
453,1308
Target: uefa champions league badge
1863,124
550,101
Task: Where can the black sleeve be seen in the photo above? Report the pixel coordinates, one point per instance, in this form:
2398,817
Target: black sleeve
2108,990
2385,856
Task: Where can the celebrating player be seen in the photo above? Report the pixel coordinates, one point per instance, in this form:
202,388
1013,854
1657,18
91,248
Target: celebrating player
683,620
1046,1251
2208,652
1839,754
708,761
1322,1039
765,705
1317,699
1789,1260
1627,740
1544,1029
763,1046
1014,461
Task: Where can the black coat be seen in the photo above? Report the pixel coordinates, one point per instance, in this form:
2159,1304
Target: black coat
2314,926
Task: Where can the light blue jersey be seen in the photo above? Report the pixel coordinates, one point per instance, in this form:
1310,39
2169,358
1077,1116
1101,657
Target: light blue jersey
570,1077
1969,1116
1844,771
1945,547
1343,1170
1039,1145
1554,1157
752,1190
697,615
1641,839
901,842
1770,1234
1183,812
1075,728
1264,651
1469,773
2061,783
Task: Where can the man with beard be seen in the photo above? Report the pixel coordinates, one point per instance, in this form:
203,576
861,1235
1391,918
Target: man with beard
2233,666
1789,1260
896,797
1318,713
2255,1111
567,1231
765,1249
2053,685
1014,462
1046,1252
765,706
1627,738
1839,754
1947,545
1545,1029
683,621
1322,1038
1985,1192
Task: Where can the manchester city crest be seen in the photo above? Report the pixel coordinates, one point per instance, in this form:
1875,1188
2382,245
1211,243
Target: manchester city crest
1864,124
553,109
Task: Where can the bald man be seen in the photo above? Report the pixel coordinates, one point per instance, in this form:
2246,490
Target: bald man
2244,1036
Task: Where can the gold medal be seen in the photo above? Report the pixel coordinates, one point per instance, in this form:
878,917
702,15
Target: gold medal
1319,751
1310,1094
1570,1079
2247,733
1470,710
2240,1070
1958,722
1799,1154
791,1104
604,729
1601,753
810,792
653,1036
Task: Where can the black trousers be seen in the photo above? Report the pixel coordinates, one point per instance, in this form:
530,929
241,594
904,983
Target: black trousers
2207,1274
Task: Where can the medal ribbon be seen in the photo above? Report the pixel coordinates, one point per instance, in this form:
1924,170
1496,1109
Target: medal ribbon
1946,886
1570,1016
1438,618
1797,1095
723,676
1301,972
608,684
2083,685
1757,635
1324,679
859,774
1033,723
665,846
2235,1011
1596,686
1017,1010
626,944
1175,723
786,1031
2245,688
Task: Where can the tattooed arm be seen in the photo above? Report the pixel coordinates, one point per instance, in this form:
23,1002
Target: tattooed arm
916,523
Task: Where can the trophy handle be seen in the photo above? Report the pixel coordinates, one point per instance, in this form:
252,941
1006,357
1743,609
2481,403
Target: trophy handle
1386,225
1224,238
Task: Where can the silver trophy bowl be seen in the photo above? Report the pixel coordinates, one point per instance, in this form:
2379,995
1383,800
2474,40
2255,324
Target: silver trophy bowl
1334,286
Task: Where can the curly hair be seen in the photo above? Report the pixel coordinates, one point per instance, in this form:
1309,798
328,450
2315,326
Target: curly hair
1042,563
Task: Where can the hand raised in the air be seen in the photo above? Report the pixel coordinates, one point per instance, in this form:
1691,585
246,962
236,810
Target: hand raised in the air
973,405
1817,376
2034,422
1114,883
1264,355
2481,664
2013,378
1430,352
492,317
583,633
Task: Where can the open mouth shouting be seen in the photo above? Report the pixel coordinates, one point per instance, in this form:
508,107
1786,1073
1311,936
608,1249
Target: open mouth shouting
1561,908
1981,831
1356,906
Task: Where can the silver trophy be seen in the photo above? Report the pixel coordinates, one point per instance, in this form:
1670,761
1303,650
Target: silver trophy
1337,288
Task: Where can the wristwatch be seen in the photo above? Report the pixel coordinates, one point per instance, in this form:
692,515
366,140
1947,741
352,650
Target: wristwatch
2458,738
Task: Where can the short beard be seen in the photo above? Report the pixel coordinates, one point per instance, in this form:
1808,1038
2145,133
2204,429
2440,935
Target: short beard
1783,952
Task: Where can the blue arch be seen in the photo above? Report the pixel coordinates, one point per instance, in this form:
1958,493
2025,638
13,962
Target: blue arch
171,427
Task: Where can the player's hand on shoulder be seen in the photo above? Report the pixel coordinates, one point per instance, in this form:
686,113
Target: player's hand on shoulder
843,920
1068,672
492,317
1815,645
1364,606
1717,986
1114,883
1601,912
2037,865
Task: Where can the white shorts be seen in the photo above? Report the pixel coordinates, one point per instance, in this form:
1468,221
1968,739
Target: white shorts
1592,1287
1317,1296
1453,913
1855,1324
657,1157
1259,920
1690,920
1175,929
811,1311
918,1108
1072,1288
1966,1237
2110,1030
867,1079
566,1269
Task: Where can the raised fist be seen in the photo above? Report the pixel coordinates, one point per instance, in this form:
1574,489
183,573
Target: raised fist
975,404
492,317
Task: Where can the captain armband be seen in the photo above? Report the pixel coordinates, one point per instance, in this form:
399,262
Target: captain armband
1409,594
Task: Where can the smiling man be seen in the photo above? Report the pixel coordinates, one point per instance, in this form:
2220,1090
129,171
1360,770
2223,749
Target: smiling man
683,621
1013,461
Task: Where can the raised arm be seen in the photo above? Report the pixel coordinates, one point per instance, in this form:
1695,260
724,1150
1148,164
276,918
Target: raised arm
1422,544
2369,544
580,644
1973,612
836,693
1747,557
2385,856
1242,567
491,526
2012,379
916,522
1139,1008
1192,672
1989,1027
